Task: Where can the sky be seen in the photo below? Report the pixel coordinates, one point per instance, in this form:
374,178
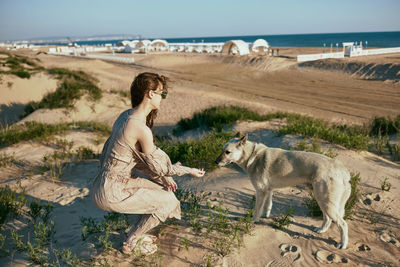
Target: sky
27,19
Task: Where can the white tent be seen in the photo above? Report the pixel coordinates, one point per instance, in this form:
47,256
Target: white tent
159,45
260,44
123,43
143,46
235,47
131,47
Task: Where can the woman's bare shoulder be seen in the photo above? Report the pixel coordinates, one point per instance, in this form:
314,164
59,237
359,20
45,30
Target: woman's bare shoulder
135,128
136,131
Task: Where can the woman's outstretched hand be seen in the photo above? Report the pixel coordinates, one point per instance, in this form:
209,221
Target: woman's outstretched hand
169,183
197,172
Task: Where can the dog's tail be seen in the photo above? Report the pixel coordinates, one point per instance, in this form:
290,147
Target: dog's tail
346,191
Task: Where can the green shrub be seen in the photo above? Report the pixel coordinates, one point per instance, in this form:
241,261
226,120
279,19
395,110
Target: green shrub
73,85
314,147
283,221
350,137
14,63
32,130
92,126
354,196
21,73
6,160
84,153
312,206
386,185
385,126
217,117
196,153
355,179
11,203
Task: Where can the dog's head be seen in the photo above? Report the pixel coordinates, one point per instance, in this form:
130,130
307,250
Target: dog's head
232,151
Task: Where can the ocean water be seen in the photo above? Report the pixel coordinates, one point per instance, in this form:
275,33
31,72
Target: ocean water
369,39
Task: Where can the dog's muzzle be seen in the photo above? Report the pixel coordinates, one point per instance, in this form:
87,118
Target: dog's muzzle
219,161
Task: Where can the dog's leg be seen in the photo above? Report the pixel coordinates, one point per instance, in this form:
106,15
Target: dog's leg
344,232
325,225
260,200
269,203
329,199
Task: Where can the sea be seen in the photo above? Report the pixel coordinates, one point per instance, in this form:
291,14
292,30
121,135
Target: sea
368,39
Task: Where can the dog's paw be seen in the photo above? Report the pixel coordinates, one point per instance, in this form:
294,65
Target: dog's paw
319,230
340,246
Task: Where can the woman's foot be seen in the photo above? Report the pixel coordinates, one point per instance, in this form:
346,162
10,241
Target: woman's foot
144,245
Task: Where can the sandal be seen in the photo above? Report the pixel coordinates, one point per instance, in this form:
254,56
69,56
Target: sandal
145,245
146,248
149,238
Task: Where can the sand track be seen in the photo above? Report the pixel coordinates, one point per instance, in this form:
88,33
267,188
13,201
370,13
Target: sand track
365,70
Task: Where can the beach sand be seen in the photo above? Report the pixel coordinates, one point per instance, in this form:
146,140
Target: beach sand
339,91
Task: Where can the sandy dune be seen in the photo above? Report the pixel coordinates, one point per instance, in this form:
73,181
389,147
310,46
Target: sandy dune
201,81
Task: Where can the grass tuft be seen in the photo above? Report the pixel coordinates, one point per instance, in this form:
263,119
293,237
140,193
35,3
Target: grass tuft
72,86
6,160
385,126
386,185
354,196
32,130
217,117
350,137
16,65
283,221
314,147
196,153
353,137
315,210
11,203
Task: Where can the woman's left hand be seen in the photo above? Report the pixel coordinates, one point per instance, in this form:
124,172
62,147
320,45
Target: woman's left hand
197,172
169,183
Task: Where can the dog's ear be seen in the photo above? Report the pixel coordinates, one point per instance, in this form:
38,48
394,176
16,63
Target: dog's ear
238,135
243,140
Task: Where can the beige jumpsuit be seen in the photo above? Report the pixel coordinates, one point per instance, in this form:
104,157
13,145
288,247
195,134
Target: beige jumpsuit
120,184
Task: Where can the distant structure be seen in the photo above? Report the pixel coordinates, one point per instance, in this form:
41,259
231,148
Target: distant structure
158,45
130,47
232,47
350,49
143,46
236,47
260,46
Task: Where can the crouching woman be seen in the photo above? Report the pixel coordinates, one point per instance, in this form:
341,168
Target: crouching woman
134,175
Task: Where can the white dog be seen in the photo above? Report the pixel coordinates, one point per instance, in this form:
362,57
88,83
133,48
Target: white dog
271,168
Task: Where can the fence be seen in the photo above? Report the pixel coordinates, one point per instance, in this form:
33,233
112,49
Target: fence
104,57
113,58
375,51
311,57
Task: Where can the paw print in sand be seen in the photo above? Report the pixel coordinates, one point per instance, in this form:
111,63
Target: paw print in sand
389,238
290,254
325,256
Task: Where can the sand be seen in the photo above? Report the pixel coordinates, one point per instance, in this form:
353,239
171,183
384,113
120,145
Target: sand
264,84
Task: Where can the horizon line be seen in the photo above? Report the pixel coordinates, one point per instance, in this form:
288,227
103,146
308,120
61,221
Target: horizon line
212,36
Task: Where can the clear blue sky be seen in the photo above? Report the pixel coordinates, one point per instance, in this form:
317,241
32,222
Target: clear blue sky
24,19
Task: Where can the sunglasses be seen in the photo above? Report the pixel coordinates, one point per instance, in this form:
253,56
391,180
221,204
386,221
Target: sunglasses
162,93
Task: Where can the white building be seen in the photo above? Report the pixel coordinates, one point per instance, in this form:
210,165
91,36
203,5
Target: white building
260,45
236,47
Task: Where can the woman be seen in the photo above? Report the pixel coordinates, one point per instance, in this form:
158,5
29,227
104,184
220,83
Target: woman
127,155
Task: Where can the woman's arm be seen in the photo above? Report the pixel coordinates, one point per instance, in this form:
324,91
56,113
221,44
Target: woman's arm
157,160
